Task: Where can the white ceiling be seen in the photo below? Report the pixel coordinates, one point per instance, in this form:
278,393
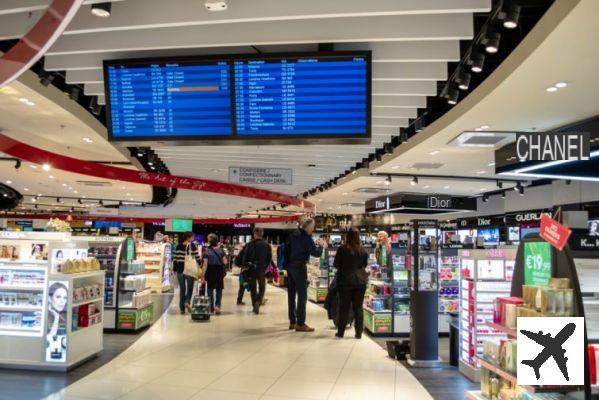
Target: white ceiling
561,48
412,41
48,125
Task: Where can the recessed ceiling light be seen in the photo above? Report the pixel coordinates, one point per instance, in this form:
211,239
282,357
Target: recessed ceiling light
87,140
123,187
4,195
33,166
426,186
30,103
446,187
70,188
379,182
481,172
101,10
8,182
395,167
478,129
46,167
24,100
484,127
64,184
51,176
320,200
483,189
74,191
434,152
561,85
26,189
345,193
551,89
33,200
491,164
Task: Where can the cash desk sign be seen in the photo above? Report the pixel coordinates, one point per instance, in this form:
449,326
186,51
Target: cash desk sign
551,146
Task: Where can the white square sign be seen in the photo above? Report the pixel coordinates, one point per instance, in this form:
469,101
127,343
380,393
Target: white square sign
551,351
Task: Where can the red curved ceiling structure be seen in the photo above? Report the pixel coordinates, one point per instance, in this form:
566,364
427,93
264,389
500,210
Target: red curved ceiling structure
38,40
39,156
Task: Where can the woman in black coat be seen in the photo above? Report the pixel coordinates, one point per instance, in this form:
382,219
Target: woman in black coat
350,261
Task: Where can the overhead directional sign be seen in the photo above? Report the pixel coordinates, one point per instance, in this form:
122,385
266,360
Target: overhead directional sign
261,176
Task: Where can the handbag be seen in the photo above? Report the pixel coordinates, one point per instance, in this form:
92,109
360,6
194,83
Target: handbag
190,267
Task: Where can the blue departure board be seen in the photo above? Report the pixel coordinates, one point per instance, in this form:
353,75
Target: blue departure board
272,97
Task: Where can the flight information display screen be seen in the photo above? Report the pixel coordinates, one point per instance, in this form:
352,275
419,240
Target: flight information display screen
256,97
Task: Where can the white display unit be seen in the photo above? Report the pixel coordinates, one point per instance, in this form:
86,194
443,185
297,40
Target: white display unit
156,257
588,277
37,326
486,274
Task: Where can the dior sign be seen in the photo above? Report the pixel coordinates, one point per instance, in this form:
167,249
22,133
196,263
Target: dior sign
439,202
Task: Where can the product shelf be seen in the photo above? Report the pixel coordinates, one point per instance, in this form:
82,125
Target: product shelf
504,374
22,287
370,310
20,308
499,327
87,301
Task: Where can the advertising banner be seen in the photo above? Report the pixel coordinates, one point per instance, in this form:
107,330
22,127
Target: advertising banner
537,263
554,232
56,332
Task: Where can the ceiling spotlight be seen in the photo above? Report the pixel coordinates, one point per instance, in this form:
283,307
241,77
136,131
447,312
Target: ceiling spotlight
414,181
75,93
499,184
101,10
214,5
33,200
551,89
560,85
388,148
418,125
17,164
94,106
58,199
150,163
434,152
485,198
46,167
463,80
378,156
492,42
87,140
101,202
452,96
477,62
503,194
403,136
46,78
8,182
511,17
568,181
388,181
521,191
79,201
518,186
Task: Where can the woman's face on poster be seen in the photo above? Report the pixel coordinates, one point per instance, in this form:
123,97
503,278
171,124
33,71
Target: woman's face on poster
59,299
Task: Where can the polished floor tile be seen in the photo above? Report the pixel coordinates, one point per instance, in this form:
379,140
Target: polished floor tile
241,356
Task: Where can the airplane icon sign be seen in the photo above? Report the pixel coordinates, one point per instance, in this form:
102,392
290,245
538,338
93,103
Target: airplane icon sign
553,347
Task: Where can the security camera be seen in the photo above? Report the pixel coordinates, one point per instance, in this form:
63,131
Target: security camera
215,5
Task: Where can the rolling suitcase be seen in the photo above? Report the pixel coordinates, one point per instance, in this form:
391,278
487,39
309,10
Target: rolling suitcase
200,305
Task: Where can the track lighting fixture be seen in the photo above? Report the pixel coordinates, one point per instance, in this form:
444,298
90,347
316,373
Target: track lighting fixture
102,10
452,96
94,106
492,42
414,181
403,136
365,163
388,148
568,181
17,164
101,202
499,184
75,93
120,203
79,201
518,187
388,181
58,200
46,78
485,198
378,156
503,194
463,80
418,125
510,21
521,191
477,62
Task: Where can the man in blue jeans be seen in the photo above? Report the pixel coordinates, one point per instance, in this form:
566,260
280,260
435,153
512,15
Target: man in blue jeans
301,247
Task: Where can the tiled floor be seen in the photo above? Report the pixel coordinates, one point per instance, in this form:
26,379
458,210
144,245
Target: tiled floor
241,356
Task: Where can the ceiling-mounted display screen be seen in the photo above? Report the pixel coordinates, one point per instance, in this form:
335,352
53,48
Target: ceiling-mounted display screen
269,98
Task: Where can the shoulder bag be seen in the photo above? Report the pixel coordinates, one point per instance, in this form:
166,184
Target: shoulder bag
190,268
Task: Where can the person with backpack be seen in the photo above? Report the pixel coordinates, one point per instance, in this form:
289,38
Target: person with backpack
350,261
299,248
257,256
186,255
213,272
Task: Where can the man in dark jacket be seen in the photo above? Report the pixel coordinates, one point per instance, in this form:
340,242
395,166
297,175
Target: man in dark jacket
301,247
257,255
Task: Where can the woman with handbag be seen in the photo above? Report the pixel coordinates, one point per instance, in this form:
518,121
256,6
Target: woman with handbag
213,272
186,265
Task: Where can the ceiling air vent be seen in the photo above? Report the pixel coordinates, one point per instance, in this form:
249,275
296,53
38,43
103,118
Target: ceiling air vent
371,190
424,165
95,183
483,139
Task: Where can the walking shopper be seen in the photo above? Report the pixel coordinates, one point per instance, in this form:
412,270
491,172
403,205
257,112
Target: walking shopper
301,247
186,254
239,263
214,272
350,261
257,256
